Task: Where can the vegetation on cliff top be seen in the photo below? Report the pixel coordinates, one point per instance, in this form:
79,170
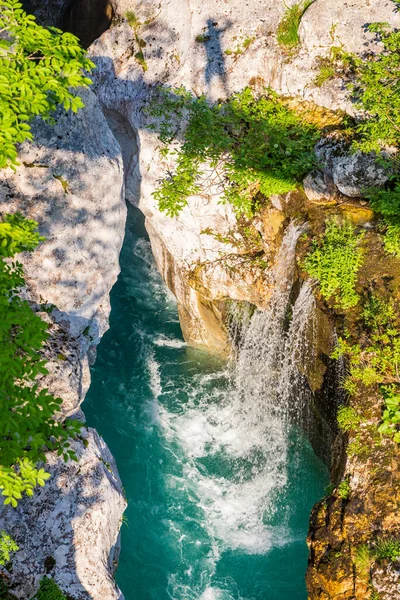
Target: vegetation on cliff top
39,67
248,148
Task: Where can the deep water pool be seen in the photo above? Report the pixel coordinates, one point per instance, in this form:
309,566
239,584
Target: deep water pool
212,514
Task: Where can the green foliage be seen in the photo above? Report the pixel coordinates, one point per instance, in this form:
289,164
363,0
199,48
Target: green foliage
7,546
348,419
27,422
254,147
202,38
49,590
377,91
326,72
387,203
337,64
288,29
363,559
391,414
344,489
388,548
376,360
38,69
240,48
391,237
136,25
334,261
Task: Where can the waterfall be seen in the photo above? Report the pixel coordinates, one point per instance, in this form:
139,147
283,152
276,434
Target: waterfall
247,429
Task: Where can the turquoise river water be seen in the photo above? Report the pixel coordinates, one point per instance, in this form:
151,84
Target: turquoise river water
207,519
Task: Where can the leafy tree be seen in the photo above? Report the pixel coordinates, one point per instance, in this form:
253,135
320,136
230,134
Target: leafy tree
38,68
27,413
252,147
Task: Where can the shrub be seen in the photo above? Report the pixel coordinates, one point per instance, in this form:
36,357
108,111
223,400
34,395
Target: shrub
288,29
141,43
387,203
391,414
348,418
38,69
49,590
377,91
337,63
254,147
363,559
344,489
334,261
7,546
387,549
27,423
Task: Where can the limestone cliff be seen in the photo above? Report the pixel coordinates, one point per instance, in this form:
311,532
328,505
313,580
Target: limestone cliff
73,181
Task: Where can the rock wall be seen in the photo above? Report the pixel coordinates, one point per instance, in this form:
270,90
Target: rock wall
69,529
174,56
71,181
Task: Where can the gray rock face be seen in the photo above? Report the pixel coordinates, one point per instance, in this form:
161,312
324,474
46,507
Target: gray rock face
71,182
351,173
217,48
69,528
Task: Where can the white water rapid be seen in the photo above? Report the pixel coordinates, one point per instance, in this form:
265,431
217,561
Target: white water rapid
247,429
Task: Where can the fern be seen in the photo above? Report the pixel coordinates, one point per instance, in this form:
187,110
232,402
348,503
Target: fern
334,261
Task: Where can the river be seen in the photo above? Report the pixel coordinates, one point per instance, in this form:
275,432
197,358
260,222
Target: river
219,494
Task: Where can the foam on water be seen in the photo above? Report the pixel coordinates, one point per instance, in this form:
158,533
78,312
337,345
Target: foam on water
246,432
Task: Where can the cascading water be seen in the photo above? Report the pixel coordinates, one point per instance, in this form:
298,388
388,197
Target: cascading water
219,480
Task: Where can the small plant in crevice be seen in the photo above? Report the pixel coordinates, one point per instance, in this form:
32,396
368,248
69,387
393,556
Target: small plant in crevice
344,489
334,262
246,148
7,547
49,590
240,48
337,64
348,419
288,29
202,38
363,559
136,25
387,548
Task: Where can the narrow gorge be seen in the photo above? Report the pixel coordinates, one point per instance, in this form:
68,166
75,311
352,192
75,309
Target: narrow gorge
219,276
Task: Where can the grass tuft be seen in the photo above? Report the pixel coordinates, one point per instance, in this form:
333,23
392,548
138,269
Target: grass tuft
288,29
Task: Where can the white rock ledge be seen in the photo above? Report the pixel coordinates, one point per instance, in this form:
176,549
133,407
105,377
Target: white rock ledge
69,529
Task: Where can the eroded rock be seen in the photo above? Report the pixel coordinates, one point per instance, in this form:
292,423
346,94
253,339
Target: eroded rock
69,528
